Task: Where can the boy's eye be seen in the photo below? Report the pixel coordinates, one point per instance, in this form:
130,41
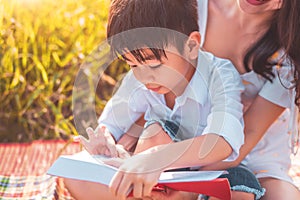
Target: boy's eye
151,66
155,66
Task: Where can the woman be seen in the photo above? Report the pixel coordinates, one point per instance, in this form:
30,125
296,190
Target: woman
256,36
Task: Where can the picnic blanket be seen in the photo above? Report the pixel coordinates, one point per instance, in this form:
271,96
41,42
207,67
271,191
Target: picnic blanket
31,187
23,170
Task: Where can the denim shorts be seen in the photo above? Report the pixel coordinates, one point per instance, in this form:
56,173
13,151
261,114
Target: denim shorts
171,128
243,180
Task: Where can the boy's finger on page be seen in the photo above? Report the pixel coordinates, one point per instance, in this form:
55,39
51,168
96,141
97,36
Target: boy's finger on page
100,134
116,162
84,142
124,187
107,152
122,153
147,190
112,149
90,132
115,182
138,190
100,129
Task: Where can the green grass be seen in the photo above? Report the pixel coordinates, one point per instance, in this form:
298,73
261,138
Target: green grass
42,44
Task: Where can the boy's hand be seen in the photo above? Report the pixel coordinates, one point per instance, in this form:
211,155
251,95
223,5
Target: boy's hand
101,142
138,173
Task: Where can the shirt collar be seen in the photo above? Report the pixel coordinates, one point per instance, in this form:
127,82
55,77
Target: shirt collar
195,90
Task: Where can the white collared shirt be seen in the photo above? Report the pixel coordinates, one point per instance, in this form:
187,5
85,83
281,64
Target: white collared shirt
211,103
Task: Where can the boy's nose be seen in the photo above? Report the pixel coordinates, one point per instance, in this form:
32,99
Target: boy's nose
145,75
147,78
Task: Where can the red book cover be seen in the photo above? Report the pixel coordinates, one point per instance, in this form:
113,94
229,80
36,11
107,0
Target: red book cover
83,166
219,187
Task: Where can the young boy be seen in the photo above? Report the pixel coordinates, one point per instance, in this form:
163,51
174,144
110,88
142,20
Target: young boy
188,96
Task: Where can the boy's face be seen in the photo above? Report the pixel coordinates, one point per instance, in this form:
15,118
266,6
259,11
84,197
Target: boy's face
171,74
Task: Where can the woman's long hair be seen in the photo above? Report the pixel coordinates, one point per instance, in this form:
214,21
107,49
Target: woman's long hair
284,33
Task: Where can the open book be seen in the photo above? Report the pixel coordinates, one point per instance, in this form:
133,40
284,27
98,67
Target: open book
83,166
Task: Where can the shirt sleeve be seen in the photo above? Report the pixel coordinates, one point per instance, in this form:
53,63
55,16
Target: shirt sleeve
226,116
279,90
124,108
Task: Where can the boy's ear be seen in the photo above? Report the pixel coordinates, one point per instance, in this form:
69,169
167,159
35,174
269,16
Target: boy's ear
193,45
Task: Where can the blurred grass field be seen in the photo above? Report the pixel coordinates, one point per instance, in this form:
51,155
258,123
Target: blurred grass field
42,45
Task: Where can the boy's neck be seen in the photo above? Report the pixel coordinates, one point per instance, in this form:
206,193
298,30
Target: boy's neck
170,100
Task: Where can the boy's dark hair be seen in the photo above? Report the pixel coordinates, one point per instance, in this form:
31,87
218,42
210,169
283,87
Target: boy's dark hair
124,15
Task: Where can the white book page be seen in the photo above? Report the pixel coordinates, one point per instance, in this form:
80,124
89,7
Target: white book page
83,166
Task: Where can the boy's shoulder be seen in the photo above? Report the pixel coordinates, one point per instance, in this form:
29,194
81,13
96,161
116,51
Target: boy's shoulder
209,59
208,65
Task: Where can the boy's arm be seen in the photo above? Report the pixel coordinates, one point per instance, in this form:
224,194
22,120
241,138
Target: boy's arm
143,170
226,112
258,119
117,117
125,107
199,151
262,113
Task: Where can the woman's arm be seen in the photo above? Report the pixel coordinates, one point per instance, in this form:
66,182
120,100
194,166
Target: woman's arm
258,118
